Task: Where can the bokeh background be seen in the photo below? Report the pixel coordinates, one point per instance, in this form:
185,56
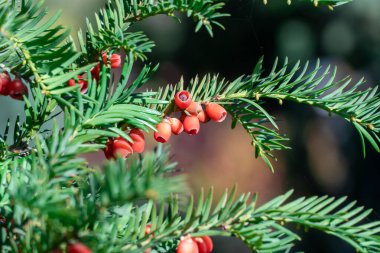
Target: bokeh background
326,155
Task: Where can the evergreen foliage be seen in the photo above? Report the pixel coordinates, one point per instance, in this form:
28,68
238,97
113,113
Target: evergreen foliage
50,196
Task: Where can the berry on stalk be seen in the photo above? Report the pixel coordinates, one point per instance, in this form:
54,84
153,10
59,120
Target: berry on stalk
176,125
191,125
95,72
194,108
138,138
216,112
182,99
16,89
148,229
187,245
5,80
78,248
83,84
118,147
115,60
203,117
204,243
164,131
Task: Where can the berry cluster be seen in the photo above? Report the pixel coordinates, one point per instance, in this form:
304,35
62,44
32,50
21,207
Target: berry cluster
15,89
115,62
188,244
193,113
75,248
201,244
124,148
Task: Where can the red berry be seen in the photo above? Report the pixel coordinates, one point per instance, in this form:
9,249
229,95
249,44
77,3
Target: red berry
115,61
164,131
138,138
208,242
176,125
203,117
95,72
187,245
147,229
118,146
71,82
182,99
204,243
5,80
191,125
122,147
138,146
78,248
83,84
137,133
105,60
108,151
216,112
194,108
17,89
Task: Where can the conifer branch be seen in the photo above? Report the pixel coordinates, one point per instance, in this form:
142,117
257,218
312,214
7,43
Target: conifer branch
30,45
246,96
113,23
50,197
70,195
262,228
330,3
204,12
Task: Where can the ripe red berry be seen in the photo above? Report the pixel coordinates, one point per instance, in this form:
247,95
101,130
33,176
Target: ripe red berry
208,242
78,248
138,138
108,151
17,89
176,125
122,147
187,245
203,117
138,146
216,112
182,99
194,108
137,133
83,84
105,58
148,229
115,61
204,243
5,80
95,72
118,146
191,125
164,132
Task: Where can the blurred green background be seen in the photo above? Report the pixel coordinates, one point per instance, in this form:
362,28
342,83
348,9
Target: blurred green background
326,156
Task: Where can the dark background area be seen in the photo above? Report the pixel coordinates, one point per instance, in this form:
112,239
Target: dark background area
326,155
